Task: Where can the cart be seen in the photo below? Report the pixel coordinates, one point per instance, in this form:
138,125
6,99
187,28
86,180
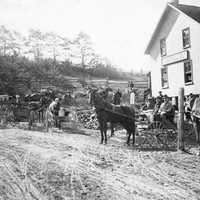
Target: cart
156,133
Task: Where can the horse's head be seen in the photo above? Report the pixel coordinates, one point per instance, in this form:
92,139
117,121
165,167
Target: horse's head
109,89
92,94
192,99
96,99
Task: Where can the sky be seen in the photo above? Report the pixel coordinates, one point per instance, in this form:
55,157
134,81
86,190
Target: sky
120,29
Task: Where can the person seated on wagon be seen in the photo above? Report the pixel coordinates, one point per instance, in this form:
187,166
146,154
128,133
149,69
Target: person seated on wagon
149,104
156,115
166,110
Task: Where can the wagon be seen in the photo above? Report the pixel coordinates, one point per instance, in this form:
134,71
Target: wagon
157,132
21,113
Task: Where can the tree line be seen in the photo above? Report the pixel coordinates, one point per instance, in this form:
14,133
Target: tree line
49,57
38,45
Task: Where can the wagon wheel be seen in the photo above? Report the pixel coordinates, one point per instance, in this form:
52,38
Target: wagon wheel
157,130
172,135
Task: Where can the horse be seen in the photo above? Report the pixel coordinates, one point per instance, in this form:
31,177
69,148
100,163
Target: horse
37,105
37,111
195,115
192,113
107,112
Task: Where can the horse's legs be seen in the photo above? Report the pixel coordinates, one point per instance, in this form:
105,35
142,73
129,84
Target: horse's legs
30,123
128,137
101,130
112,129
31,119
198,131
133,133
39,116
47,125
196,125
46,122
42,116
59,123
105,132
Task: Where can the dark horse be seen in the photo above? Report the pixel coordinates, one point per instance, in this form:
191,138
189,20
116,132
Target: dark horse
107,112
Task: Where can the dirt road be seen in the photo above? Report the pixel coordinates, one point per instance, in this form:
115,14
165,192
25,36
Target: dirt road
74,166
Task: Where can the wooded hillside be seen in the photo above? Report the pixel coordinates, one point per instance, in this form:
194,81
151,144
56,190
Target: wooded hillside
28,63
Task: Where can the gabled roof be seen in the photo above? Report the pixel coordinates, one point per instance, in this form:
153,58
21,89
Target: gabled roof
191,11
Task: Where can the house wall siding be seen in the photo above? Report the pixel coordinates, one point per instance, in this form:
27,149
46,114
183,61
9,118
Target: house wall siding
176,70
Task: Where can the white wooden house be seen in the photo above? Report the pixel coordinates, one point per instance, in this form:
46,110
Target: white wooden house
174,49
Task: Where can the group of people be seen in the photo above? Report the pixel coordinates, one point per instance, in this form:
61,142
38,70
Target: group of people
163,109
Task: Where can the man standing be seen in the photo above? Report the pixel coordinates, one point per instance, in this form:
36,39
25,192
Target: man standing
131,85
117,97
54,108
132,98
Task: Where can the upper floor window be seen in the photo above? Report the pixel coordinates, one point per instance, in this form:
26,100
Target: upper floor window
163,48
188,72
186,37
164,77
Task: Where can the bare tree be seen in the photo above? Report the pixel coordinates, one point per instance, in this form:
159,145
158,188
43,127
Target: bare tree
5,40
83,50
66,48
35,44
17,43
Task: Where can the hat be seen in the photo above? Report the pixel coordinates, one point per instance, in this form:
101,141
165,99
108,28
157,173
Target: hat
56,99
165,96
158,99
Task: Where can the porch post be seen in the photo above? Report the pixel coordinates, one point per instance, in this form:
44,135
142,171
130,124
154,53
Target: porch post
180,124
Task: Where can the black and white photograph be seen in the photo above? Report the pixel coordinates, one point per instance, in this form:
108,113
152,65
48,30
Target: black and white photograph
99,100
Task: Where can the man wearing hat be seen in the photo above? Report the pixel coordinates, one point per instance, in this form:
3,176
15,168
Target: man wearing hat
54,108
160,96
156,116
166,109
117,97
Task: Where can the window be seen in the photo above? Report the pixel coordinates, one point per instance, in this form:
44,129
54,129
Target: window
164,77
186,37
188,72
163,49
